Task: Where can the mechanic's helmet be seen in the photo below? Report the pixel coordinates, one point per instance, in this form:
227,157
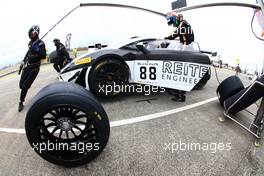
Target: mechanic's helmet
174,20
33,32
171,20
56,41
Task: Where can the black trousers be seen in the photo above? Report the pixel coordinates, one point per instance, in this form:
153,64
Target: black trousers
58,65
27,78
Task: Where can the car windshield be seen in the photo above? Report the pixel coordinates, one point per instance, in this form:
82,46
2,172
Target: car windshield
145,42
171,44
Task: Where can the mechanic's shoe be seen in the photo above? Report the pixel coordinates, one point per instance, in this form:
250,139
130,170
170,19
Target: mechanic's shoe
179,98
20,107
183,98
175,99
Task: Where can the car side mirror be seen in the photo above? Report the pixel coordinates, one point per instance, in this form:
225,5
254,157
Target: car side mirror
142,48
214,54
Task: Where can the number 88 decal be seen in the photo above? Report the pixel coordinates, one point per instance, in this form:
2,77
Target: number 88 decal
152,73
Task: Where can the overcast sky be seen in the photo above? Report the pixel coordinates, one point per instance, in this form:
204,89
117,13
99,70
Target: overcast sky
222,29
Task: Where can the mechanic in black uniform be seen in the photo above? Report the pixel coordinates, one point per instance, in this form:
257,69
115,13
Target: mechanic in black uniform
183,29
63,56
31,63
185,33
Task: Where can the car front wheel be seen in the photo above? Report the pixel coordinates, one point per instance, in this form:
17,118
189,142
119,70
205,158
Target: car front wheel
107,78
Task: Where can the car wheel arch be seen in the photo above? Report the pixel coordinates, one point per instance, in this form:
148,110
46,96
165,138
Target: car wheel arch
108,56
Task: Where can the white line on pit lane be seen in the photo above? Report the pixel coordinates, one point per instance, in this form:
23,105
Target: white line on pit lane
133,120
160,114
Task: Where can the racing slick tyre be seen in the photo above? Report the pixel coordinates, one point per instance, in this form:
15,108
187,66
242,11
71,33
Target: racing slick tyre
203,81
228,88
107,78
66,125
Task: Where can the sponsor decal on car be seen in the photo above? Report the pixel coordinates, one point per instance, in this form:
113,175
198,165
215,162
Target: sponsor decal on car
85,60
169,74
183,72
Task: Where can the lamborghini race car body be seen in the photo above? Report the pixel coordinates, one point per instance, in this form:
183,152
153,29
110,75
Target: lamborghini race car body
162,63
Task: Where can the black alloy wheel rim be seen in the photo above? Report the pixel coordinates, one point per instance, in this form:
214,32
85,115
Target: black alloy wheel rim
67,125
110,74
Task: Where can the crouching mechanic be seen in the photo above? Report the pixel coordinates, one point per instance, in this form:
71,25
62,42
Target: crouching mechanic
183,29
63,56
31,63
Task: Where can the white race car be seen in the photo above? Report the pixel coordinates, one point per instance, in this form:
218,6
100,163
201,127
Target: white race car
150,61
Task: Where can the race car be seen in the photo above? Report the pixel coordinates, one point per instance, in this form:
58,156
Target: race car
147,61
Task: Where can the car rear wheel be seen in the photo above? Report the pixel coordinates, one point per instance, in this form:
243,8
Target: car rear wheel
203,81
107,78
66,125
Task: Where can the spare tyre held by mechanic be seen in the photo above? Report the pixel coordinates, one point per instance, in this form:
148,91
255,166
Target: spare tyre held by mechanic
31,63
63,56
183,29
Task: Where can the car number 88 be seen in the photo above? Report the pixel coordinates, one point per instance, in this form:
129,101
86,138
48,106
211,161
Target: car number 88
144,75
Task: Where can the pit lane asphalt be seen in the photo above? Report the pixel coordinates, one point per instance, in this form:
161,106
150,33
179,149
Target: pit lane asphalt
138,149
